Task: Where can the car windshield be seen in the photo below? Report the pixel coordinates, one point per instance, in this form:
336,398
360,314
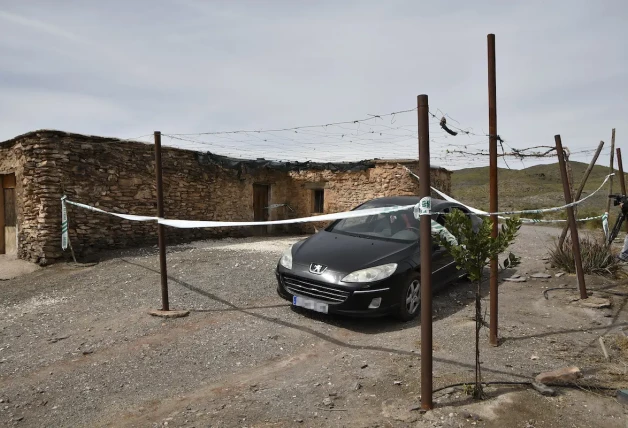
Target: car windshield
398,225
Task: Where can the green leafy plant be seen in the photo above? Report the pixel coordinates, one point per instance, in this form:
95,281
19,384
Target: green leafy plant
467,389
473,253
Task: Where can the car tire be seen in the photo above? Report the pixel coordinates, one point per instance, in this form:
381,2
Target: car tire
410,304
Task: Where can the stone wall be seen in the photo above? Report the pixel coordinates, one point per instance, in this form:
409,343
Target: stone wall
119,176
344,191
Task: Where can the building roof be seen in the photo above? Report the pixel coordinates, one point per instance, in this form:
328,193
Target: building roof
226,161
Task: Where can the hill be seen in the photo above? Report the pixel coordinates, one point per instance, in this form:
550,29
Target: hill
538,186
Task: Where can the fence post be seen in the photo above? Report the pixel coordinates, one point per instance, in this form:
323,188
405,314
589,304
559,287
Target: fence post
620,169
426,255
578,193
571,218
622,179
610,180
493,205
572,190
165,306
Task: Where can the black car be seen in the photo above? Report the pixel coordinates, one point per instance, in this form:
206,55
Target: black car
366,265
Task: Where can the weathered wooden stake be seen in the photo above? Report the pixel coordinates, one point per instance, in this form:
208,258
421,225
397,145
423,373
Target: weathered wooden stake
622,179
610,180
578,193
575,242
165,306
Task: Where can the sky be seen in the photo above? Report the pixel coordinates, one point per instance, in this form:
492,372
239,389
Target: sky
190,67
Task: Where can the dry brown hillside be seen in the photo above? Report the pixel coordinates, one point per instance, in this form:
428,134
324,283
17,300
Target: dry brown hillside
538,186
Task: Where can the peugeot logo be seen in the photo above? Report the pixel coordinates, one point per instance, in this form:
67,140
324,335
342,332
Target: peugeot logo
317,269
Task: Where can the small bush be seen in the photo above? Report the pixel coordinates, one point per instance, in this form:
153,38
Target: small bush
597,259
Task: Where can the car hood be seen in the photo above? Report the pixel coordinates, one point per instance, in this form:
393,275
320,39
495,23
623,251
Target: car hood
346,253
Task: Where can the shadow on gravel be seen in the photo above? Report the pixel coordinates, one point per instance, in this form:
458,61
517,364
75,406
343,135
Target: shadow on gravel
593,342
147,251
322,336
447,301
238,308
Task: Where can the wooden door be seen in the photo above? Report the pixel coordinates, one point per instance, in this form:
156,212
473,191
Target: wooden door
260,207
8,216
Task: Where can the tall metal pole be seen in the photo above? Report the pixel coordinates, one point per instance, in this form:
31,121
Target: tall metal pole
610,180
493,206
160,227
585,177
426,256
571,218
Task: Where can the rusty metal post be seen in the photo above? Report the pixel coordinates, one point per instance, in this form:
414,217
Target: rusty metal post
160,227
610,180
571,218
493,205
426,256
578,193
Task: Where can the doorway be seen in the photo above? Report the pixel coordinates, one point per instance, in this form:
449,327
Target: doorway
261,197
8,215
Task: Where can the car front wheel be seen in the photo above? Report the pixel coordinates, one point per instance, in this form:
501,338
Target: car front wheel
410,299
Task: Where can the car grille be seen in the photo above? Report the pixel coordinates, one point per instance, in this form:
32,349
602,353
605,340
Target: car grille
316,290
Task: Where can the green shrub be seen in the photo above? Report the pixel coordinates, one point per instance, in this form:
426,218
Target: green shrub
597,258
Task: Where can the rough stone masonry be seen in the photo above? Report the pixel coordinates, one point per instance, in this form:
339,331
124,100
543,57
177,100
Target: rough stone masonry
119,176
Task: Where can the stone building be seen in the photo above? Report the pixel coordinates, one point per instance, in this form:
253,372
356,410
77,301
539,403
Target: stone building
38,168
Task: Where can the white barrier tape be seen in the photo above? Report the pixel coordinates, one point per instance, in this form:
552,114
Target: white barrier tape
187,224
547,210
424,207
499,213
124,216
324,217
335,216
532,220
64,225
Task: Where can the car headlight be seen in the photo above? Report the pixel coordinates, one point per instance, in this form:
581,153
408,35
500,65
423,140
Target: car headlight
373,274
286,259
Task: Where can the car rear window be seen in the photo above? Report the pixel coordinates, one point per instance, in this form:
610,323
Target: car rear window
398,225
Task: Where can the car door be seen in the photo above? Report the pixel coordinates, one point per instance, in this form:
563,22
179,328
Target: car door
443,265
441,262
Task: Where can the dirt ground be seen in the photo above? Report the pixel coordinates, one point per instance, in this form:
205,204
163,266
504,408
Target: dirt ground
78,348
11,267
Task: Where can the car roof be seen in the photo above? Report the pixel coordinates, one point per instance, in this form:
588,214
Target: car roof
437,204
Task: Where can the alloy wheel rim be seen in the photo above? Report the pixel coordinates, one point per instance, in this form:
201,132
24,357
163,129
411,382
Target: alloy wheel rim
412,297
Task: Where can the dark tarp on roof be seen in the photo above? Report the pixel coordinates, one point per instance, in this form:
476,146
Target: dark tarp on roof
252,164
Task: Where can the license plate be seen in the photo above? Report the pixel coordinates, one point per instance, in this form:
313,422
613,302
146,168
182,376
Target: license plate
310,304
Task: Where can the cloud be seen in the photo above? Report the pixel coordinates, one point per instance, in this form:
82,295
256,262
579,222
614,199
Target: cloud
41,27
191,66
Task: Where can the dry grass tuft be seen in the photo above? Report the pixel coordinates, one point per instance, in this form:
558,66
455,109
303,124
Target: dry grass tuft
597,259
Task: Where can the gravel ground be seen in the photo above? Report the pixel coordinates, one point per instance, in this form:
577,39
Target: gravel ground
78,348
